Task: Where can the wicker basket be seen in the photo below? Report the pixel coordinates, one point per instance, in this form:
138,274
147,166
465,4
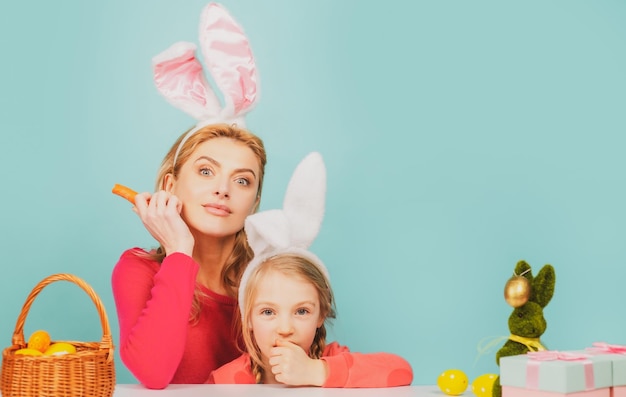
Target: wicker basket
88,372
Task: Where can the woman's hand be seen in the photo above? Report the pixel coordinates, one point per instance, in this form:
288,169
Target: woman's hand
160,214
292,366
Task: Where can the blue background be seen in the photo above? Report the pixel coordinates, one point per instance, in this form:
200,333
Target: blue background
459,137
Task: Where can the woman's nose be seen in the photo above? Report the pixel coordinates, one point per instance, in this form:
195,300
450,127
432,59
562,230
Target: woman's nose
221,188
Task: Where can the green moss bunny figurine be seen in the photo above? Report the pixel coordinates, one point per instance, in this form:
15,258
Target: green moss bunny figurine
528,295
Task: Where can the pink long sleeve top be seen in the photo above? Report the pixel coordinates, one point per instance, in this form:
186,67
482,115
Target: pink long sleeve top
345,369
158,343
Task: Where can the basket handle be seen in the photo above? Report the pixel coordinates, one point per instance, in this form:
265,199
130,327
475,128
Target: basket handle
18,333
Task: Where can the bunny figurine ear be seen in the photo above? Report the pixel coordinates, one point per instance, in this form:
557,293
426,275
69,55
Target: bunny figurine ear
294,228
179,76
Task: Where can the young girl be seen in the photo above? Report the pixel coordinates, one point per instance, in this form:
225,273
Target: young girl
285,299
176,305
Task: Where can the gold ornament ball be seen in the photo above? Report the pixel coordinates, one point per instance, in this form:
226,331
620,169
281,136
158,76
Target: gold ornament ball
517,291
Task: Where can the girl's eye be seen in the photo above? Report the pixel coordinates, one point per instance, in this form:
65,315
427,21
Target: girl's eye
302,311
206,171
242,181
267,312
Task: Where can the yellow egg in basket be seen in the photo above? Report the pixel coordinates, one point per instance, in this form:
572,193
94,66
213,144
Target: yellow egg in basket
60,348
39,340
28,352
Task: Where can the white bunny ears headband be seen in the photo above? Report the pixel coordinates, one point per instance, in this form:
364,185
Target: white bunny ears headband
179,76
292,229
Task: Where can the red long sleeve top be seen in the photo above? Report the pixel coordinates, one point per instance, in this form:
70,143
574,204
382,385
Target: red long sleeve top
158,343
345,369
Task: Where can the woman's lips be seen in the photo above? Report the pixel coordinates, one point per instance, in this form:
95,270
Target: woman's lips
217,209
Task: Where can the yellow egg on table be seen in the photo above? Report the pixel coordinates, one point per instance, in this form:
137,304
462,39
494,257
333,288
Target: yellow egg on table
482,386
59,348
39,340
28,352
452,382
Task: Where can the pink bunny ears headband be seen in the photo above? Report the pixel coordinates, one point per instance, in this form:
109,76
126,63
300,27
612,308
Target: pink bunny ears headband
292,229
179,76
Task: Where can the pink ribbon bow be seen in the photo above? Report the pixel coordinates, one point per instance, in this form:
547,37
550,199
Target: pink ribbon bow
535,359
605,348
550,355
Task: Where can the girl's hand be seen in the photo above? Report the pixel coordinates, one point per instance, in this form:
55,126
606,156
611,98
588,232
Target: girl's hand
292,366
160,214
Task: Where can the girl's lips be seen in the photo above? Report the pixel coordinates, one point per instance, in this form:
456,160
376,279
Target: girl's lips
216,209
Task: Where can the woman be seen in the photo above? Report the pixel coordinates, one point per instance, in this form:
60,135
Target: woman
176,305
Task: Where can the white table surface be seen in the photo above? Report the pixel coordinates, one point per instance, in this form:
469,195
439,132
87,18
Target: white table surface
124,390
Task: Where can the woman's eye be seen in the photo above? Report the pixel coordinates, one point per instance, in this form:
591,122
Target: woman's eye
206,171
242,181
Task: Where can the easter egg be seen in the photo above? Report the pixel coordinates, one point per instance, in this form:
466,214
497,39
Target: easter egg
59,348
39,340
517,291
28,352
482,386
452,382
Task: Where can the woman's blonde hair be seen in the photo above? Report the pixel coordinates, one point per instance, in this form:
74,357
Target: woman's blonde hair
296,266
242,253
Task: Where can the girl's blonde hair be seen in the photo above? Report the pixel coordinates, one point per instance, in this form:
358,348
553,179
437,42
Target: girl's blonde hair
296,266
242,253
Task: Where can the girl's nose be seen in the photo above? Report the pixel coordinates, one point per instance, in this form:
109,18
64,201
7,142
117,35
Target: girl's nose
285,327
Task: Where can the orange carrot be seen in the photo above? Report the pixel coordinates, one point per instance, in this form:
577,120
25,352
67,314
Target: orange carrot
126,192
